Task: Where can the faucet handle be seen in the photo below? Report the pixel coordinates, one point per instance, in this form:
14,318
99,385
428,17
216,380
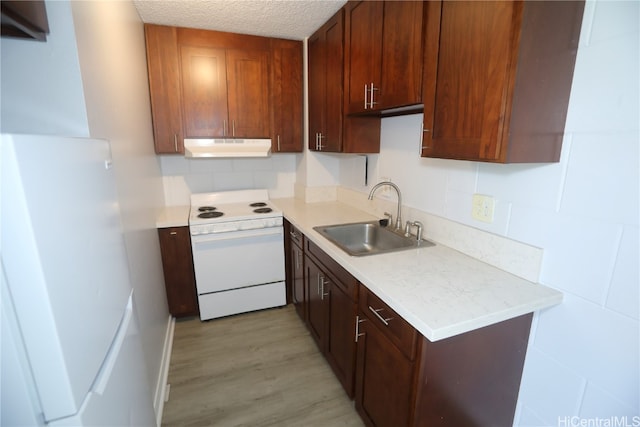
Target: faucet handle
389,218
419,226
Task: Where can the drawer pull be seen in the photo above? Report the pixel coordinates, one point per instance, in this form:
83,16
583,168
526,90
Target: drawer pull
294,235
382,319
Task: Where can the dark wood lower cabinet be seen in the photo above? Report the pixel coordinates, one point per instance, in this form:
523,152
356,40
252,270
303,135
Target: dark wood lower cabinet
331,315
316,307
294,265
297,281
398,377
179,277
384,379
473,379
340,349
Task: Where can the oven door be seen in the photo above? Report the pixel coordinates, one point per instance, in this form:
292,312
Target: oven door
238,259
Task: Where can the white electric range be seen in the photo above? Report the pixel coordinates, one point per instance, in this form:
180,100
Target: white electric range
237,240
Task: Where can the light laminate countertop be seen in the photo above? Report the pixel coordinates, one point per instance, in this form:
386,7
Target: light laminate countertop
173,216
439,291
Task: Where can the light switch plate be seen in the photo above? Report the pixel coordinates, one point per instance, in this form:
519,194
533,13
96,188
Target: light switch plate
482,207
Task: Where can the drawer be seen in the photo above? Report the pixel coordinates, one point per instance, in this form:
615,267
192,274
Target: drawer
342,277
296,236
401,333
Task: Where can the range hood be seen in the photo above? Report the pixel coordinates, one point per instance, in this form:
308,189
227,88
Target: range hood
217,148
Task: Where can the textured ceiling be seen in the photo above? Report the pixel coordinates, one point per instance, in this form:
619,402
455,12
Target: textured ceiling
289,19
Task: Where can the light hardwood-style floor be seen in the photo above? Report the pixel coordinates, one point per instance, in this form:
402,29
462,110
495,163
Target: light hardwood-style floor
254,369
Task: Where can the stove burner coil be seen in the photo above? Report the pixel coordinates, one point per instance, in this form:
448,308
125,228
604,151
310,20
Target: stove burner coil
258,204
210,214
263,210
206,208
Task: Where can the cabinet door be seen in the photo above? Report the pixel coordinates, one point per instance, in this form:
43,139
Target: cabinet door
177,264
297,287
341,346
164,87
286,96
465,116
363,53
332,140
384,379
325,86
248,93
316,307
317,84
402,58
204,92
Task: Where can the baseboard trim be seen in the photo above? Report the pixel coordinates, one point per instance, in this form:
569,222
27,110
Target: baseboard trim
161,386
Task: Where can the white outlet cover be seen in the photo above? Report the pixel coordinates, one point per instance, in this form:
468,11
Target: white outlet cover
482,208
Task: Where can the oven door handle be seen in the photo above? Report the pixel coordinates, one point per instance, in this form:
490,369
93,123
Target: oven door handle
234,235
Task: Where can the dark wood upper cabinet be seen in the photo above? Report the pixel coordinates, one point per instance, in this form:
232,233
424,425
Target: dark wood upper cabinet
383,55
329,129
325,86
204,91
225,92
248,93
163,67
286,96
212,84
497,78
24,19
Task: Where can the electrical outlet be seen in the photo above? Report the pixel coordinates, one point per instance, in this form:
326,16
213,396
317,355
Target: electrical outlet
482,207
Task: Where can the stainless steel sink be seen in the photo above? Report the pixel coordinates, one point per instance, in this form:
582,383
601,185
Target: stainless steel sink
368,238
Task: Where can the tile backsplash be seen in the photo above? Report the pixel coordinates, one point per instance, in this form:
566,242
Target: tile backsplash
182,176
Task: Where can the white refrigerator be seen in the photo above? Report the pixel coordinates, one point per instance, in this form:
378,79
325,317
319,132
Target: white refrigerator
71,353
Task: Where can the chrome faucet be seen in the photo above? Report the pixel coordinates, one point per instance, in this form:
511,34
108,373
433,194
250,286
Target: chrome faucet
395,187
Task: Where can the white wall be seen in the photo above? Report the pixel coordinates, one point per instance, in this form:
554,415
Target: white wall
583,211
41,85
90,79
111,50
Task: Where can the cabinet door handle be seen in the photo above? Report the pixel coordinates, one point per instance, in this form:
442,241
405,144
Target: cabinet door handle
372,102
382,319
320,136
175,141
322,283
224,127
422,131
366,89
297,260
173,233
233,128
278,137
358,321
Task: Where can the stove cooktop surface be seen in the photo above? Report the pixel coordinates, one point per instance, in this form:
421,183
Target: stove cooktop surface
227,206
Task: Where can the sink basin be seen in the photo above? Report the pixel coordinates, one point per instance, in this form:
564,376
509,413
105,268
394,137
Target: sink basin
368,238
